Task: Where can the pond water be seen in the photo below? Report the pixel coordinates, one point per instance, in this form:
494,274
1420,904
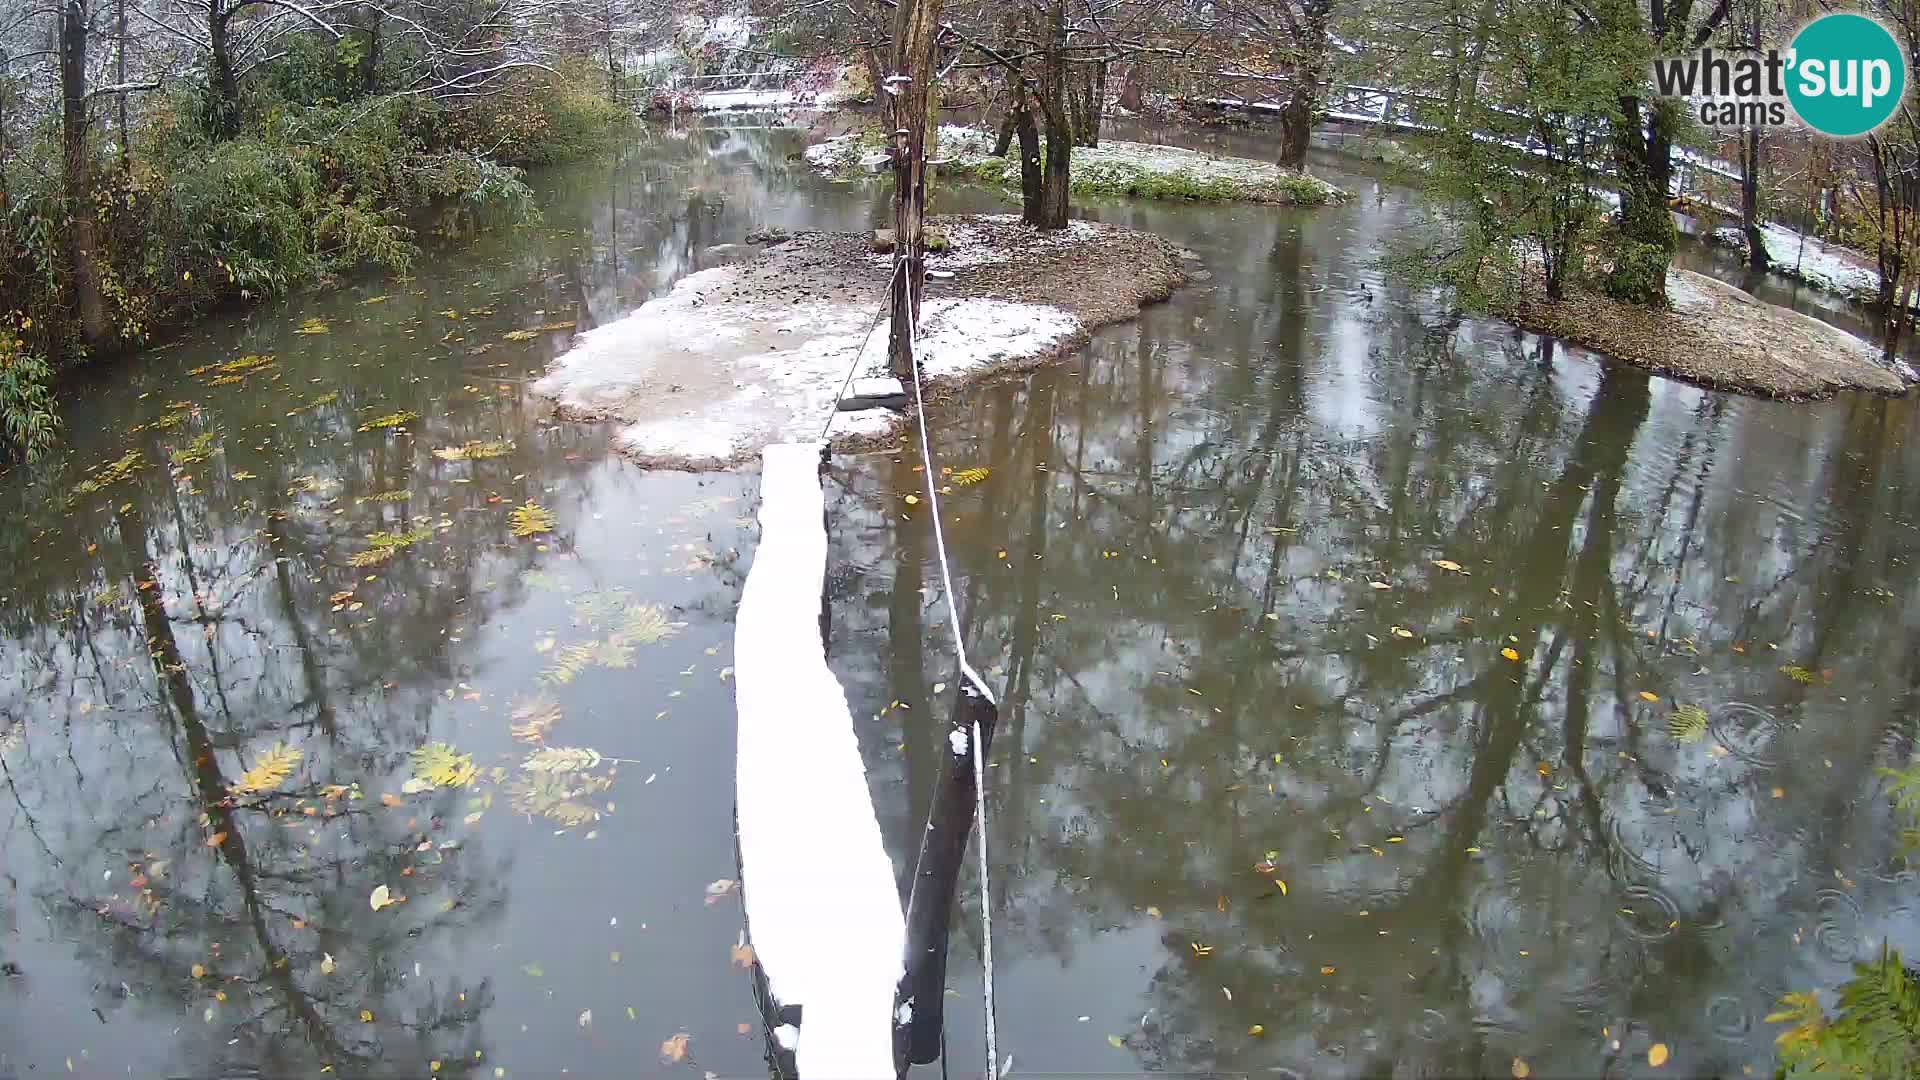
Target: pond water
1344,647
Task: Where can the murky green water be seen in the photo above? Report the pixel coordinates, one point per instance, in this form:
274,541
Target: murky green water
1212,567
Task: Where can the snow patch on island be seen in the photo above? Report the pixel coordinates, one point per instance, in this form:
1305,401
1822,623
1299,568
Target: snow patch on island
706,377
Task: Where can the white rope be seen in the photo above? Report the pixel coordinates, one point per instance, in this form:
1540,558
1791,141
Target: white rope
966,670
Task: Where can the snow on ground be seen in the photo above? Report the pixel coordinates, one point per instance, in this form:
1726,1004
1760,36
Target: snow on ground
721,100
822,908
966,142
702,381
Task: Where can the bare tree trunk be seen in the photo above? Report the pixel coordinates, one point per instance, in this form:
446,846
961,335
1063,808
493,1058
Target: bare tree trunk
376,36
1030,181
1004,141
77,173
120,75
1750,165
223,88
1055,198
915,27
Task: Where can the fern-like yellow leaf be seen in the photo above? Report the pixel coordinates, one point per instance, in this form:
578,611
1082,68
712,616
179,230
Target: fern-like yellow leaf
561,759
1688,723
269,771
442,766
970,477
644,624
530,519
569,661
533,717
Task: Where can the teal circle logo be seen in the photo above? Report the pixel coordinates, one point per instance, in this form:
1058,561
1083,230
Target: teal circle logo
1846,75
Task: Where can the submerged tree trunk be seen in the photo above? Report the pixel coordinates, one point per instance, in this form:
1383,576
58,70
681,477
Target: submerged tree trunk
77,174
1750,164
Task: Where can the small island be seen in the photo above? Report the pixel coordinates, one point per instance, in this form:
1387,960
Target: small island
756,352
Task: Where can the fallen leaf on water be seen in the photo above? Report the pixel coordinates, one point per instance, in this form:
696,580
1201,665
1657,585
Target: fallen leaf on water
199,971
1401,631
1153,912
1447,564
530,519
326,963
719,890
366,1016
1648,695
1510,653
216,839
1327,970
1257,1030
586,1017
675,1049
1521,1070
911,500
744,1028
380,898
1282,884
1379,585
1117,1042
743,955
1657,1055
533,969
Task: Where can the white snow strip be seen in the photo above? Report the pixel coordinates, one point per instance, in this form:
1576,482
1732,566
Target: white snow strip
708,378
819,889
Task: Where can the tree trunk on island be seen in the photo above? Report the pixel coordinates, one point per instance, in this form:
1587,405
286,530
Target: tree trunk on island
1055,198
1750,164
77,174
1029,134
915,27
1644,241
1312,42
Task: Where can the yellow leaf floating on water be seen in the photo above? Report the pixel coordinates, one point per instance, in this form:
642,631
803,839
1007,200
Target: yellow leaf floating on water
199,971
1447,565
473,451
440,765
1510,653
675,1049
969,477
366,1016
569,661
1257,1030
561,759
912,500
1401,632
530,519
326,963
1648,695
533,717
380,897
390,420
1521,1070
1117,1042
1688,723
1657,1055
269,770
314,326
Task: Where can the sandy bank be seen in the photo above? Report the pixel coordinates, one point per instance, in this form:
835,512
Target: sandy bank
1716,336
740,356
1114,168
